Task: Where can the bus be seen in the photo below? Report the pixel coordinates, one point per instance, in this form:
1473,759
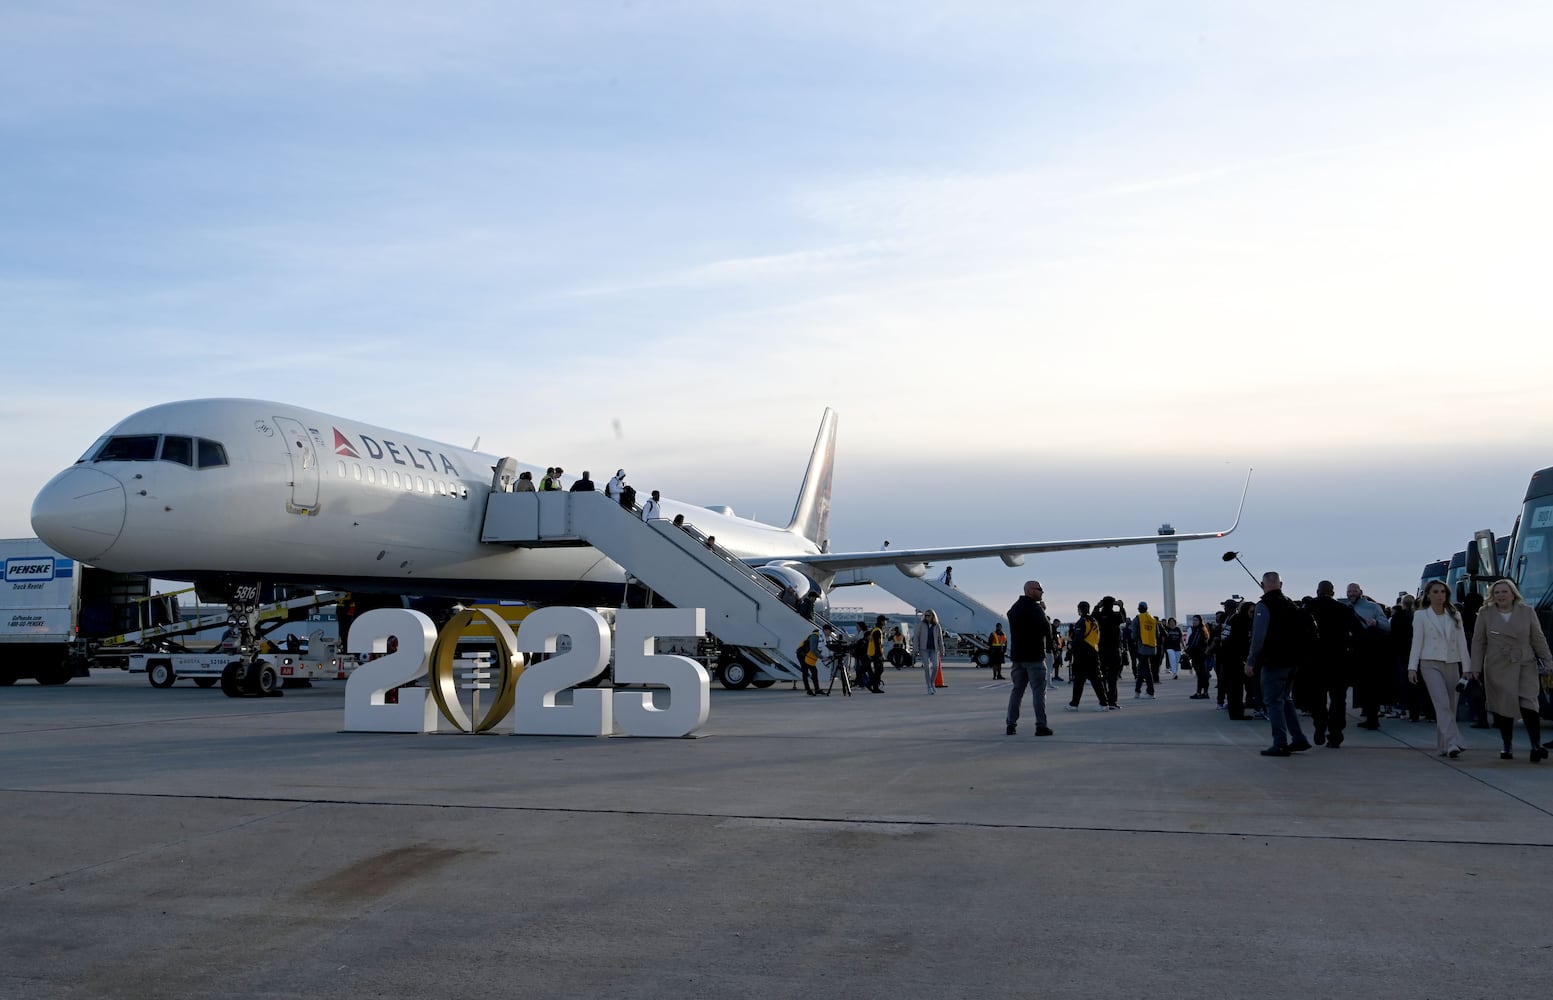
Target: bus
1529,561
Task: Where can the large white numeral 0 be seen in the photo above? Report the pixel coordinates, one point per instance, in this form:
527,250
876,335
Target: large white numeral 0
689,687
366,707
535,710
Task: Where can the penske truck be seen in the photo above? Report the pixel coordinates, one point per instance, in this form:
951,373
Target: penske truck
59,618
51,605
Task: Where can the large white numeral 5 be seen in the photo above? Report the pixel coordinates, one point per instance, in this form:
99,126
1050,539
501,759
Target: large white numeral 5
535,710
689,686
366,706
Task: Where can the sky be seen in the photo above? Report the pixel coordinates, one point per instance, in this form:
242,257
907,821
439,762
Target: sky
1063,270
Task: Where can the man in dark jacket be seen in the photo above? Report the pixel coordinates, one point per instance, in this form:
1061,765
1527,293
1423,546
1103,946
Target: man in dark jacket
1084,655
1110,617
1324,679
1028,633
1281,639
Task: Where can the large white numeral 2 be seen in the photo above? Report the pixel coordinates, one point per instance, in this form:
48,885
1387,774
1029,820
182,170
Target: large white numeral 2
535,710
689,686
366,706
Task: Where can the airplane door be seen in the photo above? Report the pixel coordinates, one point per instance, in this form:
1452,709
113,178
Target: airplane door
304,466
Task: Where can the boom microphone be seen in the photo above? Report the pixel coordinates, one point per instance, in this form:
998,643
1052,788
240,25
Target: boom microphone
1236,557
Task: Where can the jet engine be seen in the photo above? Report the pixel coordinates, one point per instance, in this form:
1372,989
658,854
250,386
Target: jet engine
792,578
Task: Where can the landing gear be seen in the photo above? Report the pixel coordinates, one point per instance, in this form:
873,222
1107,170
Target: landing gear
249,680
263,679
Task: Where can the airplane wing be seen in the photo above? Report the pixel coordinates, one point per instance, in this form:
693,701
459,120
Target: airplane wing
912,561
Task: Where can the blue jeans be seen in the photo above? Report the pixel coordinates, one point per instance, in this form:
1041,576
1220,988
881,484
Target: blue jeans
1033,676
1278,696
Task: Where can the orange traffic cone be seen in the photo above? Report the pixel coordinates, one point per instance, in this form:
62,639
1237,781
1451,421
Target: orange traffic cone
938,675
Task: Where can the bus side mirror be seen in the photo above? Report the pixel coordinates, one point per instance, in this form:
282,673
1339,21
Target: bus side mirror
1481,561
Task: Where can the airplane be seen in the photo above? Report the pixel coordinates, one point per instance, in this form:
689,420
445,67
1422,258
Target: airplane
237,490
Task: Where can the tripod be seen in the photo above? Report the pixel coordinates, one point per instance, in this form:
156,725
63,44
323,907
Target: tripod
837,656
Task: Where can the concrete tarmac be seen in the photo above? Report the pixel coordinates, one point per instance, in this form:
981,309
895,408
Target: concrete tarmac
176,843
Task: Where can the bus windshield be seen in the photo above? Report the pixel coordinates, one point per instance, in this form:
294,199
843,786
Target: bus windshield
1531,560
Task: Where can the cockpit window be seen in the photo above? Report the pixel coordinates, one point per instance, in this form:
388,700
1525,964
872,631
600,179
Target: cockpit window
178,449
91,452
129,448
212,453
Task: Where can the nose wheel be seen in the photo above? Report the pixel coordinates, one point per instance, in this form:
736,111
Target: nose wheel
251,680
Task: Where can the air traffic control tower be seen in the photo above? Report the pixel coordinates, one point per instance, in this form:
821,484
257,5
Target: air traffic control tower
1167,567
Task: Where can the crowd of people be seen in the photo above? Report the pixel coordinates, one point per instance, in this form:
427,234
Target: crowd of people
1281,660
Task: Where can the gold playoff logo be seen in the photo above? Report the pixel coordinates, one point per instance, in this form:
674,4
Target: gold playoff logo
502,680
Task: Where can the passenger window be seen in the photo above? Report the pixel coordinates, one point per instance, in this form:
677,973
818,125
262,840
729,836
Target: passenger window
130,448
212,453
178,449
420,485
396,480
343,473
356,471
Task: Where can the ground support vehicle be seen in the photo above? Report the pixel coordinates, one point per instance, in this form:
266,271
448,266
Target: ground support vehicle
273,669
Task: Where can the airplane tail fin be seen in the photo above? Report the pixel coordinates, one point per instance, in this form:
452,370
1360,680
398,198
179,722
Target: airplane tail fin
811,515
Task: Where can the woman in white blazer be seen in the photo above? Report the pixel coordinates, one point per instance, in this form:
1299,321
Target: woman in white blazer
1439,657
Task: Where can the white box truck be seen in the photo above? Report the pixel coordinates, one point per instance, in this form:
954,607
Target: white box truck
50,605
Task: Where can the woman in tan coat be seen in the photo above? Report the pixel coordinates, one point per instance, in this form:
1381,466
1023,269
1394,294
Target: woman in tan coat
1505,647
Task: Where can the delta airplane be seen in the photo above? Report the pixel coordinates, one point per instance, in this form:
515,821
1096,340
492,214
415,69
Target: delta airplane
242,490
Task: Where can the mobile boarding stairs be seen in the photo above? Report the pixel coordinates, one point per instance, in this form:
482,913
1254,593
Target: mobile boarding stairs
743,607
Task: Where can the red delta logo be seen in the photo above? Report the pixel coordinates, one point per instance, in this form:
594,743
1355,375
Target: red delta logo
342,445
393,451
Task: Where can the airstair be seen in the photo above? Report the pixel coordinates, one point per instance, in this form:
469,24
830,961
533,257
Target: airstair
743,607
957,611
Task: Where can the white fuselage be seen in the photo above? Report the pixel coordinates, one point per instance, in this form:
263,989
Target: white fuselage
306,497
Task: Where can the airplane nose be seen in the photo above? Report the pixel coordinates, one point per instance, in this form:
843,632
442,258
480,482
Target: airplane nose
80,513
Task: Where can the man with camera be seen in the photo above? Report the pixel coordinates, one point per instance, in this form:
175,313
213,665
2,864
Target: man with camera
1110,617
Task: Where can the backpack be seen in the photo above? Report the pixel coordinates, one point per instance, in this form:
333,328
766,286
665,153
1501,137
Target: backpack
628,496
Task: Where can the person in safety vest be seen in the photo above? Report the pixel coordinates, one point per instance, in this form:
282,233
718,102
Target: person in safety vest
997,648
875,655
809,663
1084,657
1145,629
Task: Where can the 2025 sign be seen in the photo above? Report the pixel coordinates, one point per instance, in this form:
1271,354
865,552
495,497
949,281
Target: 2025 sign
524,697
